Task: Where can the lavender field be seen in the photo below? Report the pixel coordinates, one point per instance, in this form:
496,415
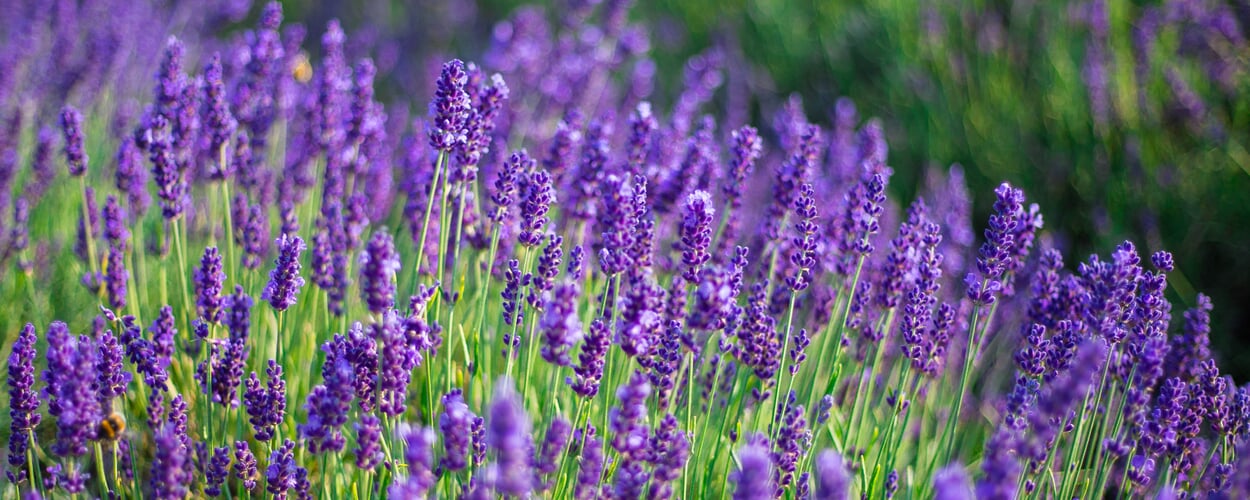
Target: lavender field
244,257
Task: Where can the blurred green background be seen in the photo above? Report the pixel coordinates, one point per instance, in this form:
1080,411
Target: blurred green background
1123,120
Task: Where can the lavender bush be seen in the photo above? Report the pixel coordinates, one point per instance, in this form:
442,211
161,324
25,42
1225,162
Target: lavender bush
545,285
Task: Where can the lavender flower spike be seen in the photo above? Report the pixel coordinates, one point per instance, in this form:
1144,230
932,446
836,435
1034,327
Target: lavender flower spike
72,400
209,282
169,478
696,234
508,434
379,264
368,436
995,253
952,483
560,325
536,200
221,124
832,477
284,280
23,401
420,458
75,153
455,424
592,467
450,108
245,465
754,478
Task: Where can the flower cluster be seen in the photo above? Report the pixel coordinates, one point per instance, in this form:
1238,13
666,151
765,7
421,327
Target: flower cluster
700,313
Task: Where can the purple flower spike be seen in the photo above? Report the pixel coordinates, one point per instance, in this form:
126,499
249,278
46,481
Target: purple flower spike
753,480
833,480
23,401
696,234
554,442
170,480
266,405
803,258
362,99
617,220
589,371
642,127
626,421
508,434
399,356
450,108
1000,240
41,166
116,277
170,182
218,470
379,264
280,476
245,465
591,468
284,280
220,123
503,195
112,379
537,196
418,453
237,308
164,332
72,401
747,148
952,483
329,403
561,327
490,104
209,281
368,436
864,208
544,278
670,450
115,224
456,426
75,153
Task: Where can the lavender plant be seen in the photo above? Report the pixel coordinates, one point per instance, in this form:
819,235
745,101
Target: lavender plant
648,309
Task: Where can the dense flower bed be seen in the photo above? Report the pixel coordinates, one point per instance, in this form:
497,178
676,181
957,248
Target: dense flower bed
267,282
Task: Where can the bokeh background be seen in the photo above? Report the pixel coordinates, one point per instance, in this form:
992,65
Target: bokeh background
1122,119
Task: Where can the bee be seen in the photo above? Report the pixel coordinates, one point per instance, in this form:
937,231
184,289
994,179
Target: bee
112,427
301,69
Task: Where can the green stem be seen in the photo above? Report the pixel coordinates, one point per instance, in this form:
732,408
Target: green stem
425,224
846,314
30,461
99,470
225,193
92,262
484,293
970,355
781,371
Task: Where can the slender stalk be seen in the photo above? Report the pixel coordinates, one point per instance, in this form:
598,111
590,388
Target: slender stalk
865,389
99,470
781,371
30,460
225,194
483,293
970,355
850,298
425,224
92,262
